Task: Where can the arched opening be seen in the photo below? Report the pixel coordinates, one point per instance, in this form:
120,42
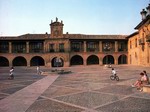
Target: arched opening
76,60
92,60
4,61
19,61
122,59
37,61
109,59
57,62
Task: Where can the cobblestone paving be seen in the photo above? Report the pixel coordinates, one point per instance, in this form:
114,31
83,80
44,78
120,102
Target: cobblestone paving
86,89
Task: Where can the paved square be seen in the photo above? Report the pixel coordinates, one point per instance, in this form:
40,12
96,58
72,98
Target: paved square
86,89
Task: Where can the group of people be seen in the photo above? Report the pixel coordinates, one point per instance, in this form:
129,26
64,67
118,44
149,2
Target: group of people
11,72
143,80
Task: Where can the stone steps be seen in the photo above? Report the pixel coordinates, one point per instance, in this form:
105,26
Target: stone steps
146,88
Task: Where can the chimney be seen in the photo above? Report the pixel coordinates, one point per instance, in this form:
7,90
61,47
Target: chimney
148,9
143,14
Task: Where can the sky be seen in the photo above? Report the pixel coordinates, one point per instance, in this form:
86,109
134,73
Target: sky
96,17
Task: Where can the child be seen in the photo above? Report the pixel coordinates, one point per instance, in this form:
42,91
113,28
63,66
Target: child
146,76
38,70
11,73
113,72
140,82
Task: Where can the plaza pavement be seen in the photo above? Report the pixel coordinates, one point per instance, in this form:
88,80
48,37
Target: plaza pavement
86,89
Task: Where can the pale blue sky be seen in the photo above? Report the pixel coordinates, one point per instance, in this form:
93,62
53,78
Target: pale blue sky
96,17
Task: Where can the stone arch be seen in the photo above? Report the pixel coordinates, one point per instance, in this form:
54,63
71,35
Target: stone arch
76,60
37,61
122,59
108,59
92,60
4,61
57,62
19,61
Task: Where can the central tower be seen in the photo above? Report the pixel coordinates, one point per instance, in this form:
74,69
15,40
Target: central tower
56,29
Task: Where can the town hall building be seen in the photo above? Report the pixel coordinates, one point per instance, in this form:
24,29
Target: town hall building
63,50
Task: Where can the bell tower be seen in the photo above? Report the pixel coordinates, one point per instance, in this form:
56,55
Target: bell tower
56,29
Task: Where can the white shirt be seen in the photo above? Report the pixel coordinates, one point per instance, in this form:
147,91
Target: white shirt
144,78
113,72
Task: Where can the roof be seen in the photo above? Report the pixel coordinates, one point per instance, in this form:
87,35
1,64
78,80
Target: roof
25,37
82,36
133,34
143,22
70,36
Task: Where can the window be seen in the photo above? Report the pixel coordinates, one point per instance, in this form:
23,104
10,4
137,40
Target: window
108,46
130,45
122,46
18,47
4,47
61,47
51,48
135,42
36,47
76,46
92,46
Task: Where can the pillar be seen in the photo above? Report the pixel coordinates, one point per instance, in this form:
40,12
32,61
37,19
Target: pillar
27,47
84,46
100,61
100,46
10,47
28,62
10,63
44,47
116,61
84,62
66,64
116,46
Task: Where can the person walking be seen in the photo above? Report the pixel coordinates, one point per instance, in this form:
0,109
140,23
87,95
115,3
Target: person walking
38,70
11,73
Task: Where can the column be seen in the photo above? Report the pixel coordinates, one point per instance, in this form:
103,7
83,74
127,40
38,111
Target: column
10,62
69,46
84,62
44,47
116,46
116,61
10,47
27,47
84,46
28,63
100,61
100,46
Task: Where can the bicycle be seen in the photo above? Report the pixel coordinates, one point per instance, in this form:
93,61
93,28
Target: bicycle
114,77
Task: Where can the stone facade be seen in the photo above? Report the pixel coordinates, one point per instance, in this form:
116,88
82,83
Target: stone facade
62,50
139,42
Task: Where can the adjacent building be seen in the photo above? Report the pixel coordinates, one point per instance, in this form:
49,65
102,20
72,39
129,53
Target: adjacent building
139,41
